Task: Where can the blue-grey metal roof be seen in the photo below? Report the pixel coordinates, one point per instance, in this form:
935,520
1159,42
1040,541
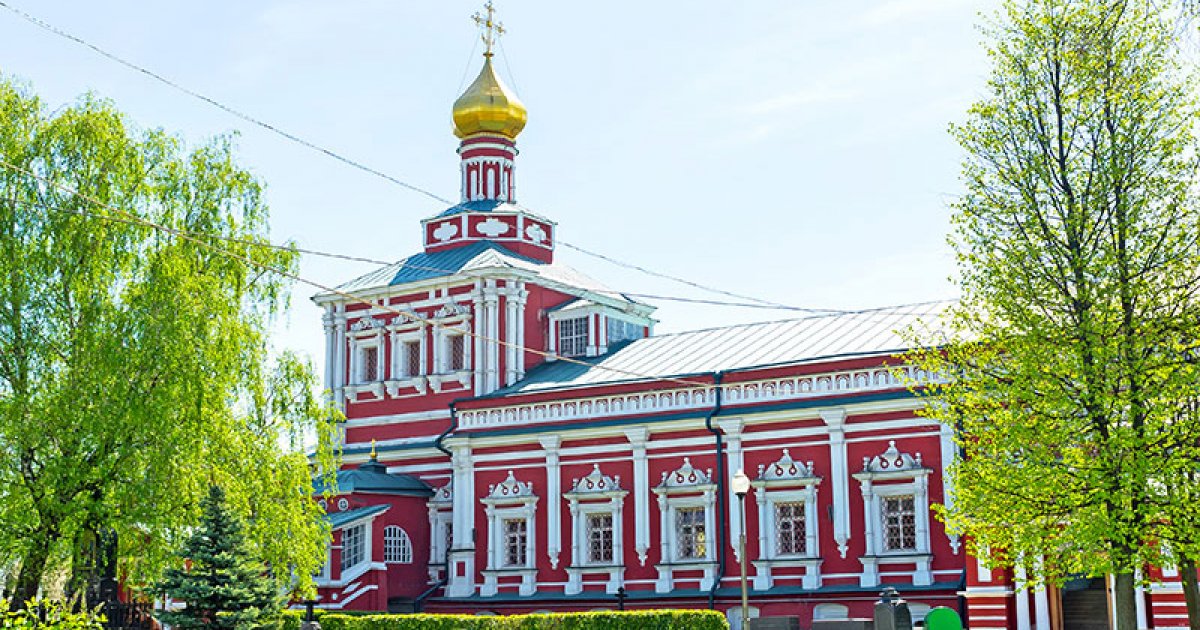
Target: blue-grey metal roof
738,347
338,519
373,477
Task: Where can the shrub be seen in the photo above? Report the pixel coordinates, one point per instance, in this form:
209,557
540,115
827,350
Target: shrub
48,615
630,620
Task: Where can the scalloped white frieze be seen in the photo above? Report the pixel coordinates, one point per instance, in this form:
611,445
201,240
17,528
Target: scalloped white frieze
535,233
493,227
791,388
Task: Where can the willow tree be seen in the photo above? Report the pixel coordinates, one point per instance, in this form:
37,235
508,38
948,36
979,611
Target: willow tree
134,362
1075,340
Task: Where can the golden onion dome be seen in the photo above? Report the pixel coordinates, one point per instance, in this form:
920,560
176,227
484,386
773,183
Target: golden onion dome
488,106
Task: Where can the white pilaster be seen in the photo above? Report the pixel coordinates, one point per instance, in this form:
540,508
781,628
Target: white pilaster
510,335
641,493
1139,602
1021,597
554,499
1041,603
492,331
949,454
520,298
835,420
461,567
736,461
477,339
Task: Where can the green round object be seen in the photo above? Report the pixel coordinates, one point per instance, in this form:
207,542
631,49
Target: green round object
942,618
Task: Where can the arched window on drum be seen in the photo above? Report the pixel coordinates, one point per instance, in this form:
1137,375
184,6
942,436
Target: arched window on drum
397,546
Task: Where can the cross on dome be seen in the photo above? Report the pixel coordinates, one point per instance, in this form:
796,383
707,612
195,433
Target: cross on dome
490,27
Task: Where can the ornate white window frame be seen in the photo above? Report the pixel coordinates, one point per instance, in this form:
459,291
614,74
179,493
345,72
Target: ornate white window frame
786,481
454,320
685,487
595,494
366,333
441,517
509,500
890,474
405,331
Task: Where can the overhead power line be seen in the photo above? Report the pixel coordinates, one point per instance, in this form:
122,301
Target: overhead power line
368,169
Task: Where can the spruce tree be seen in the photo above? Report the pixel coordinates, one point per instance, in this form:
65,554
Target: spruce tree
225,586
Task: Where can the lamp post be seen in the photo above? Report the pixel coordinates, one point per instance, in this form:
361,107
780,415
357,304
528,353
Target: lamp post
741,485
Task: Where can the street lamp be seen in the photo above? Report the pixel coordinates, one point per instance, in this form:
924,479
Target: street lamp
741,485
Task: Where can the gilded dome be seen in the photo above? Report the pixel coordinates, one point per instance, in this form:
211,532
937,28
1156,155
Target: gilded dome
488,106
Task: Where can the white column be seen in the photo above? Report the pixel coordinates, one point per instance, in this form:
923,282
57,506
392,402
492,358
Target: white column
663,585
520,298
641,493
949,454
762,576
510,335
554,500
835,420
1139,602
462,557
330,325
492,331
736,461
1041,602
339,376
922,515
1021,596
477,355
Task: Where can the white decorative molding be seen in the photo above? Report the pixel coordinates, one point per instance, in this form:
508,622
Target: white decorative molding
452,309
445,231
461,571
835,421
508,500
735,461
553,485
766,391
890,474
441,513
685,487
595,493
782,482
493,227
641,492
509,489
367,323
949,455
535,233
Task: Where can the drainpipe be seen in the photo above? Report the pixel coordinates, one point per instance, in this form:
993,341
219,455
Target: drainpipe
722,498
419,602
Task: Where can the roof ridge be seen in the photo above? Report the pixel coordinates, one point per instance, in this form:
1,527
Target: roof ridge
788,320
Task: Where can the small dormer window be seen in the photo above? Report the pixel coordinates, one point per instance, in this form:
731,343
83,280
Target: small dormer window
573,337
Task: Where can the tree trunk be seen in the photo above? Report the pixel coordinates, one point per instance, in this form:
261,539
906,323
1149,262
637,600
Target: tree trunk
33,567
1191,591
1124,603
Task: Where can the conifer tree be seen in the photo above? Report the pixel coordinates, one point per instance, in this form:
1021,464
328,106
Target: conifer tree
225,585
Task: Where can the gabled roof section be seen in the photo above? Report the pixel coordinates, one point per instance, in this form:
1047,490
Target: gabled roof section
373,477
486,256
738,347
340,519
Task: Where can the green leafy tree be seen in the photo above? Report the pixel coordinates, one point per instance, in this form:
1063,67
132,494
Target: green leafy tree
1074,344
134,365
224,586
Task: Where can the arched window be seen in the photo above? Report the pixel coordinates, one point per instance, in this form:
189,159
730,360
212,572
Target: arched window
831,611
397,547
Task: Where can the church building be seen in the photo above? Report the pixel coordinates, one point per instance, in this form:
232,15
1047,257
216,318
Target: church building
517,439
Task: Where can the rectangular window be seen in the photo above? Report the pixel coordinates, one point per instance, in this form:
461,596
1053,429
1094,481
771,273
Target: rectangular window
600,538
899,523
790,532
353,546
573,337
411,356
456,351
619,331
689,534
515,542
370,364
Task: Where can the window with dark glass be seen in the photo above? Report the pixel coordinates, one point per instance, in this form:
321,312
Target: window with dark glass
516,542
370,364
689,533
600,538
411,356
573,337
790,532
899,523
457,352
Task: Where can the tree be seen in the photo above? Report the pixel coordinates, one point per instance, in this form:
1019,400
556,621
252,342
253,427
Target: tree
1074,343
224,586
135,369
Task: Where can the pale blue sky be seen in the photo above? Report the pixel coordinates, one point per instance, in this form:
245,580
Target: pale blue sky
792,150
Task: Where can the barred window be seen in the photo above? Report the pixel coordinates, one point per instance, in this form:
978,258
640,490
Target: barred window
397,546
573,337
411,356
353,546
457,353
689,534
899,523
600,538
370,364
516,542
790,530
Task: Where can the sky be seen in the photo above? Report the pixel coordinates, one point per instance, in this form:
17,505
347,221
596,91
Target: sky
797,152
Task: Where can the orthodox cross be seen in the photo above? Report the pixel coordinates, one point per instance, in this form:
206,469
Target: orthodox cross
490,27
